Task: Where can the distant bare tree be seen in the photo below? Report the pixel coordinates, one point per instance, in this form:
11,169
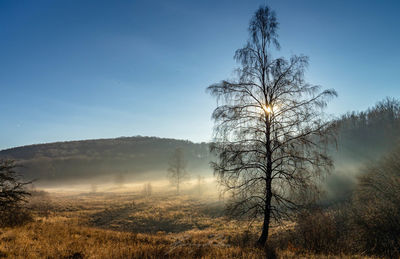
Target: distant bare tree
93,188
147,189
177,169
200,183
269,134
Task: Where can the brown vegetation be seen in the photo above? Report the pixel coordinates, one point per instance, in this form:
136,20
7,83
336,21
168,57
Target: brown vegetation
13,194
369,223
127,225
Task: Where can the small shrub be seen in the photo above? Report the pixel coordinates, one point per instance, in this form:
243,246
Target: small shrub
321,231
12,195
15,217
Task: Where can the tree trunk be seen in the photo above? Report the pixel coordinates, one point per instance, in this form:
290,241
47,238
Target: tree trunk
267,216
268,185
264,235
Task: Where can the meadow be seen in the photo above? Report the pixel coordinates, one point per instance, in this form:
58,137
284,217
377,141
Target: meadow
131,225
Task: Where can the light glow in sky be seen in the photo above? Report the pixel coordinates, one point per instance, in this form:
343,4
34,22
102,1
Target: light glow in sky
86,69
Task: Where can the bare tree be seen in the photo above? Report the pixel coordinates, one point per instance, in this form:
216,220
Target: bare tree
177,169
270,134
200,183
147,189
93,188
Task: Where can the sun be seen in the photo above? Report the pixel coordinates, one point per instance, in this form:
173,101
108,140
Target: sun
267,108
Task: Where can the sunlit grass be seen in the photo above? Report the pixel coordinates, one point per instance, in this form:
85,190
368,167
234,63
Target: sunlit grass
127,225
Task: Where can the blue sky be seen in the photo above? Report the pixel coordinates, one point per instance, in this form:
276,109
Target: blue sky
78,69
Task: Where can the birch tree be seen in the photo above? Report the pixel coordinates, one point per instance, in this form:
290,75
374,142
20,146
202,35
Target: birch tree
270,132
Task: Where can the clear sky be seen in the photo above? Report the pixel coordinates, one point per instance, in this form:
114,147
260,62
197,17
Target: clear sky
79,69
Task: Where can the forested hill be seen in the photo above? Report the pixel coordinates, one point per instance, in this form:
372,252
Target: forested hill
365,136
136,158
362,137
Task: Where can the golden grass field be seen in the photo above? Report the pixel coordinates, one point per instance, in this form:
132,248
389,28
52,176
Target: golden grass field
128,225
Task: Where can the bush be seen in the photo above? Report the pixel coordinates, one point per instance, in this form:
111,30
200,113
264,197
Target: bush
369,224
317,230
12,195
15,217
377,207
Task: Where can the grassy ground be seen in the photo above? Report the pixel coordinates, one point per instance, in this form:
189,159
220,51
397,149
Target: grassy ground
127,225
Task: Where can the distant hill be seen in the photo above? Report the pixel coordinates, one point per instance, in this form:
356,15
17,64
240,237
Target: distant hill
130,158
362,137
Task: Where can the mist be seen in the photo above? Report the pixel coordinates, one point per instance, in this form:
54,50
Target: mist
126,164
363,138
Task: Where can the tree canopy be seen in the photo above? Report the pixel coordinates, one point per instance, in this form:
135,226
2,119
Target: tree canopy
270,132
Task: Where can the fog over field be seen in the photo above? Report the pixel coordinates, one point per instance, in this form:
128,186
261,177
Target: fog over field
199,129
127,163
107,161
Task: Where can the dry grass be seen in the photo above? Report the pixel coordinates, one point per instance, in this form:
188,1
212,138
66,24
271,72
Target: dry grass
129,226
